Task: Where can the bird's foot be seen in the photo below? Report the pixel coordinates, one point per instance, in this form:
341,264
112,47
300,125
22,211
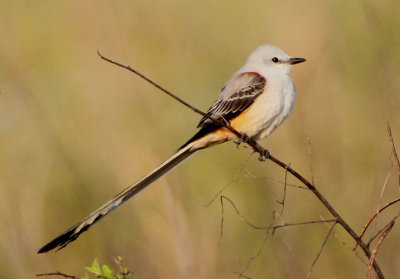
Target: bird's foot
264,155
243,138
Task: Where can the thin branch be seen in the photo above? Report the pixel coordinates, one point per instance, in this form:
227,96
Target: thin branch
276,215
221,233
123,271
335,214
242,166
273,228
396,157
256,255
267,229
250,175
383,190
320,250
381,230
376,247
56,274
309,158
376,214
394,153
244,220
284,193
217,121
264,154
354,251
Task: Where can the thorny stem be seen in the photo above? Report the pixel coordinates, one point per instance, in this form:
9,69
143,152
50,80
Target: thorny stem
264,154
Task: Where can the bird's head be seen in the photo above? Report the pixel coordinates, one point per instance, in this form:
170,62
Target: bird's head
273,58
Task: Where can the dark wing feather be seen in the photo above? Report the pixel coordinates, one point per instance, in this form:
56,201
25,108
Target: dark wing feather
238,101
246,88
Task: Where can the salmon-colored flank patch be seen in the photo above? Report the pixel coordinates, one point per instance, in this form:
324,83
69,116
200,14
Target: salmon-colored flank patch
254,73
242,120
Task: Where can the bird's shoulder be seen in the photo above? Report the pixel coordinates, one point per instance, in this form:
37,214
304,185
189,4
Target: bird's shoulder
236,96
242,83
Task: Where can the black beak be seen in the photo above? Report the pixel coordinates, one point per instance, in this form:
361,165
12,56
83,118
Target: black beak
295,60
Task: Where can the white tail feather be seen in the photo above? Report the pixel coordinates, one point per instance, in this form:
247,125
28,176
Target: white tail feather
73,233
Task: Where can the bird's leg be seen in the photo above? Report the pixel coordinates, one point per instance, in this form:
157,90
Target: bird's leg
243,138
264,155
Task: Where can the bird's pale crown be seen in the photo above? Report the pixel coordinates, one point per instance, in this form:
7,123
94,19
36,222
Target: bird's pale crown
272,57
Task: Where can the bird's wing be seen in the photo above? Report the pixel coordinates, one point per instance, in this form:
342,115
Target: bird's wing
235,97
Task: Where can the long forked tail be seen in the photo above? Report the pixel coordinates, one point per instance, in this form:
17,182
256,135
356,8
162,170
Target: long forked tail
73,233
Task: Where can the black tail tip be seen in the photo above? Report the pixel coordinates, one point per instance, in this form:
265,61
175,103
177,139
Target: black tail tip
60,241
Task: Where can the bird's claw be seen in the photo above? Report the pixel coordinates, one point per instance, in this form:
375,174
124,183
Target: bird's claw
243,138
264,155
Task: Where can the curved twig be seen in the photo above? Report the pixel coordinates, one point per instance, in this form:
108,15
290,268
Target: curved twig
56,274
365,227
396,157
320,250
376,248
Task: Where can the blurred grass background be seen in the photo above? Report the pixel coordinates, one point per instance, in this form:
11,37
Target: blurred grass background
76,130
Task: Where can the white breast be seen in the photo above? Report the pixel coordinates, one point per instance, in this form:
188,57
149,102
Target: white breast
273,106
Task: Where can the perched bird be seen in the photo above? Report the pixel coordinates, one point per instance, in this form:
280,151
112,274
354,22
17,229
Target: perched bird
254,101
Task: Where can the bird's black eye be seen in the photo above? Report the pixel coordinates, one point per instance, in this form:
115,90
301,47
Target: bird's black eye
275,60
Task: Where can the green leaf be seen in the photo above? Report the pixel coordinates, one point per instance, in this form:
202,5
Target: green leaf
107,272
95,268
91,270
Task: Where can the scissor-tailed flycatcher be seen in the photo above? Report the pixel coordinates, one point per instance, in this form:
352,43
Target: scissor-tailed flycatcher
254,101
